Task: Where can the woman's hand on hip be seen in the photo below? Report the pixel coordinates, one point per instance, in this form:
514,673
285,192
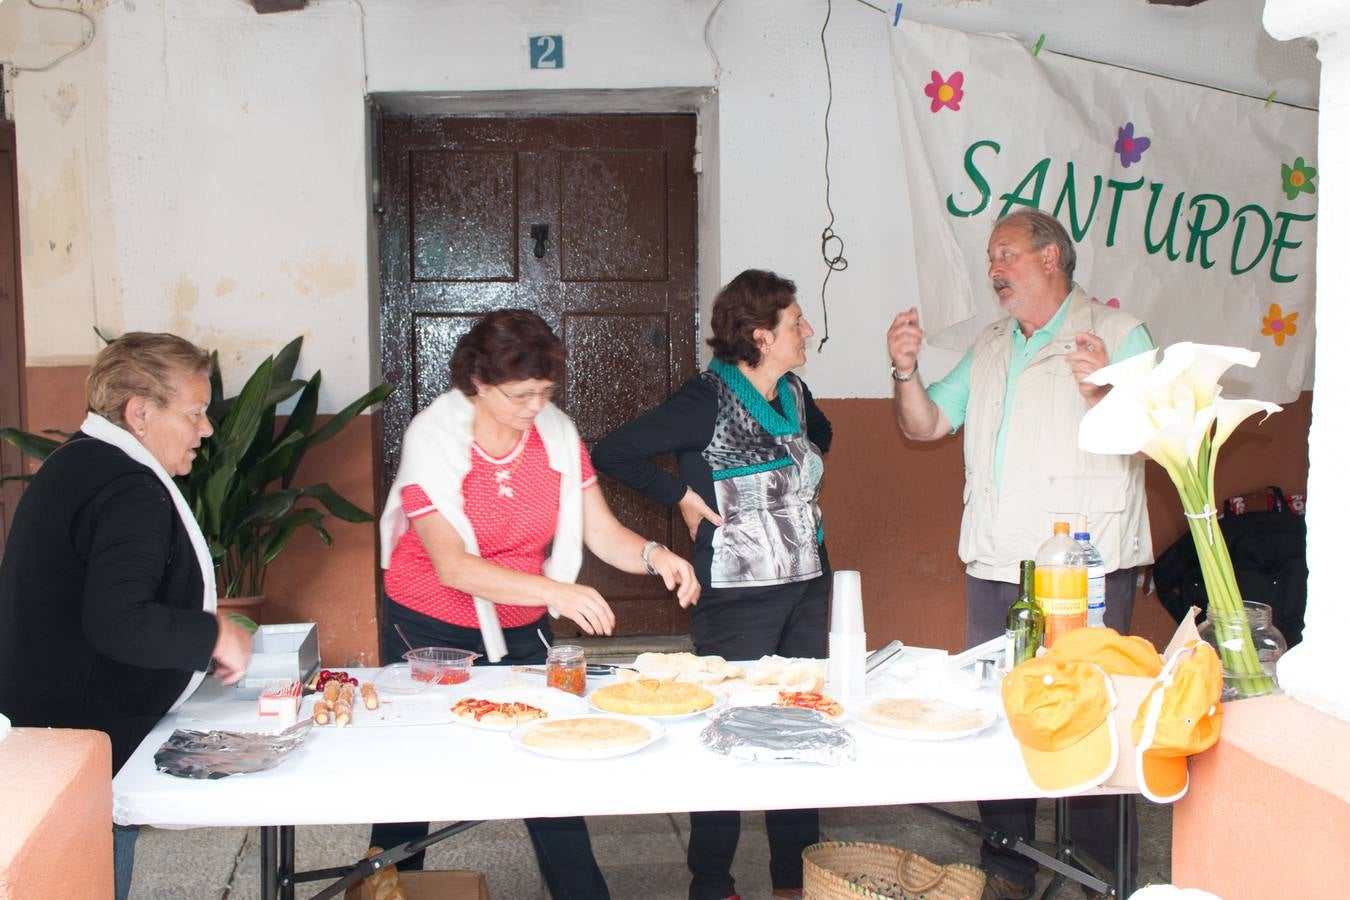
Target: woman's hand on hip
678,575
234,646
694,511
582,605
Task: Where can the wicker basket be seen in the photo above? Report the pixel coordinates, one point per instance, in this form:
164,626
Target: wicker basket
847,870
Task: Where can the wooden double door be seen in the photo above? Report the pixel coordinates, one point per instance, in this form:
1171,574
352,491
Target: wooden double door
587,220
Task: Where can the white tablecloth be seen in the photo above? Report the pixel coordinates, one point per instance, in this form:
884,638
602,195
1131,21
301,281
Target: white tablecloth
453,772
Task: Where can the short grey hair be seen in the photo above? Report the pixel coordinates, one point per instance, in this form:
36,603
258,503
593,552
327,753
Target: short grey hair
1045,229
141,364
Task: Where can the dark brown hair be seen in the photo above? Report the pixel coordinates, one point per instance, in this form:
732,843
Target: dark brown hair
753,299
140,364
506,345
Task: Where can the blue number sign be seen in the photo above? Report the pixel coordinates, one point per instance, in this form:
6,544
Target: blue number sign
546,51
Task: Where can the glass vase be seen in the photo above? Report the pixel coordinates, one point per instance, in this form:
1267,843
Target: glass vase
1226,633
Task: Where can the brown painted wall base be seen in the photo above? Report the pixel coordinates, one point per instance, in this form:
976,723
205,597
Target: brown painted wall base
892,511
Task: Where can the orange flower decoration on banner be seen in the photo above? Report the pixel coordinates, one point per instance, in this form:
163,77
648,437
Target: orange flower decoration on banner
946,92
1277,325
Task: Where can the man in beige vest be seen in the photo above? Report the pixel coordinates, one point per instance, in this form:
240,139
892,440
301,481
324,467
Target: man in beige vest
1020,394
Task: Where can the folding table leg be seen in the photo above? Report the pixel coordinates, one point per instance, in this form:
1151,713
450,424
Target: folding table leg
286,861
267,859
1126,850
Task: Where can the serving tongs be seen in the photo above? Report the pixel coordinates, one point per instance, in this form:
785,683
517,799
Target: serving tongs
591,669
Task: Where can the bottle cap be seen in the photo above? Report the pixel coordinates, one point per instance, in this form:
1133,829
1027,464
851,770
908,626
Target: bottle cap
1061,528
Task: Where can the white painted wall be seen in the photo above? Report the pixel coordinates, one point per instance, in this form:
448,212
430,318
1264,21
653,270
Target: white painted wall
202,169
1314,671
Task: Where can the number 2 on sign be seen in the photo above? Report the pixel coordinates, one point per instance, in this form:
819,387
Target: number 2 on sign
546,51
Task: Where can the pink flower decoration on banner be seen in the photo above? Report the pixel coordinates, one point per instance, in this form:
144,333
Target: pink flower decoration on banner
1130,148
946,93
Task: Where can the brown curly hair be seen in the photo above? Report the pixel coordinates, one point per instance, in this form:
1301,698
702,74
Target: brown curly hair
507,345
753,299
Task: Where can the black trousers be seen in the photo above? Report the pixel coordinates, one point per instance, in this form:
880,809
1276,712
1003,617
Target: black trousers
1092,820
561,845
747,623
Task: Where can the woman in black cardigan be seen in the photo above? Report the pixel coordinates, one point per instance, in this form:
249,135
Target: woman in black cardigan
107,592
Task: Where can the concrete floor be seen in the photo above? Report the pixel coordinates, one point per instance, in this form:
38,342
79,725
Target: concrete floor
642,856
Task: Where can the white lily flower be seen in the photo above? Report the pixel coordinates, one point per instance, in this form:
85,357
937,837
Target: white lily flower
1172,410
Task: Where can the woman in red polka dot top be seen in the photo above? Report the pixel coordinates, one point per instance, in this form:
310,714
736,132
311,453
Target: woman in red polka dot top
482,536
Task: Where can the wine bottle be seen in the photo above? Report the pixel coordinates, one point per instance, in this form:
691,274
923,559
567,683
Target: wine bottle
1025,626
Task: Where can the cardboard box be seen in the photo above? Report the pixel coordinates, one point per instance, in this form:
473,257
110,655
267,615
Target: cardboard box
281,653
447,884
1130,692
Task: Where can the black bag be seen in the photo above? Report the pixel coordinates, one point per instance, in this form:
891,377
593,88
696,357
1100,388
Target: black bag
1269,553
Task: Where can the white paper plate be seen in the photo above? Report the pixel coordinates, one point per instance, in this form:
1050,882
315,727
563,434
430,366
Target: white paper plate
988,717
654,729
558,704
719,703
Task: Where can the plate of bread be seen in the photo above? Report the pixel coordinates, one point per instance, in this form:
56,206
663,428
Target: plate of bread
502,709
924,718
587,737
656,699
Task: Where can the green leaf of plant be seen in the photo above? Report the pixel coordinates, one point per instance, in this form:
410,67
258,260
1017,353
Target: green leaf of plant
339,421
284,369
269,508
243,622
260,474
301,422
337,504
29,444
16,478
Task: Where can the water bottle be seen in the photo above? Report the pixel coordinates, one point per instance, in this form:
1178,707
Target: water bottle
1061,584
1091,559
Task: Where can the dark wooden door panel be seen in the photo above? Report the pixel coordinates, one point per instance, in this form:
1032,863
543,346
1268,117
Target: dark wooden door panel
616,278
11,327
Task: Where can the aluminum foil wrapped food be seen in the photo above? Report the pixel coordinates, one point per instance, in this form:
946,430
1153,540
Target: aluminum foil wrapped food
778,733
217,754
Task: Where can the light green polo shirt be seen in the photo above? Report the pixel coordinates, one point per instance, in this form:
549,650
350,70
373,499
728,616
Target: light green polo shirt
952,393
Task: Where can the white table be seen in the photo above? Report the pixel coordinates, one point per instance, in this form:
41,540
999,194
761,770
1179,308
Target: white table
439,772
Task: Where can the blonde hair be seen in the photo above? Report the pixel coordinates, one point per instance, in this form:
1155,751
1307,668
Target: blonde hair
140,364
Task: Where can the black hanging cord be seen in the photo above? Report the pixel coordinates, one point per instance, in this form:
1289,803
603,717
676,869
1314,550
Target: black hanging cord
837,262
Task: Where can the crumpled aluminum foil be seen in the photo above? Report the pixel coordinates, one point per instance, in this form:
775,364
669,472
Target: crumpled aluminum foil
769,733
216,754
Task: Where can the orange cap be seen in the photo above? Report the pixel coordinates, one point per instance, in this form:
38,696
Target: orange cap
1115,653
1060,712
1181,716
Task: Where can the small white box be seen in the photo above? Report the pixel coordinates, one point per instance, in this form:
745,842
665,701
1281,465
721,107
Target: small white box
282,653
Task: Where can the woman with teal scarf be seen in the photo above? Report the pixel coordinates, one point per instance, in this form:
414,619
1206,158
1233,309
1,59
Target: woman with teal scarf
748,439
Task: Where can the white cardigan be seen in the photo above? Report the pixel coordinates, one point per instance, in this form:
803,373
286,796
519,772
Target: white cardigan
437,454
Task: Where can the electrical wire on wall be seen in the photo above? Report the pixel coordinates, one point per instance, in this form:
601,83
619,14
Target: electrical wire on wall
829,239
88,39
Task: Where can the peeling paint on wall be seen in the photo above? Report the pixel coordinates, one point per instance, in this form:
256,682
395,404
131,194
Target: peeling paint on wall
53,227
321,276
226,285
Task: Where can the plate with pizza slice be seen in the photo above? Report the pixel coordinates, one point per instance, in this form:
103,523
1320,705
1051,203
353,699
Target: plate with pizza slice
502,709
824,704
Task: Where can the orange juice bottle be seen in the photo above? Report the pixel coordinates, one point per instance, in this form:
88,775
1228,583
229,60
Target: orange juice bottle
1061,584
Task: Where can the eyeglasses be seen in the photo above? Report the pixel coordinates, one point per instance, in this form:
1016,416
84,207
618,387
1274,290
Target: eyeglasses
525,398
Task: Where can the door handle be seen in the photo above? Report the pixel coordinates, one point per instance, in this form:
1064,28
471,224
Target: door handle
539,234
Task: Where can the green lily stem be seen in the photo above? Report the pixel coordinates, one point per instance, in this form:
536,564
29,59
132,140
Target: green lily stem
1229,617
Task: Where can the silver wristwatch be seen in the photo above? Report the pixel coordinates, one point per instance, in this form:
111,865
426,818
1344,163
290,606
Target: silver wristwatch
901,379
647,549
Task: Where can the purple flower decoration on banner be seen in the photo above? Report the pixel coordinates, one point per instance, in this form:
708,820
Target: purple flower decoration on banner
1130,148
945,92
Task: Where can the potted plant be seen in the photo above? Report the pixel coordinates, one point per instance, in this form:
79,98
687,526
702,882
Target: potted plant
242,487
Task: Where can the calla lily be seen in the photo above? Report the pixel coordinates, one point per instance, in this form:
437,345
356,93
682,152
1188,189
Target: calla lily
1173,411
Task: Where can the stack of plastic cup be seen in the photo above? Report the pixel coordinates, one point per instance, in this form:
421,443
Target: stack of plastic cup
848,641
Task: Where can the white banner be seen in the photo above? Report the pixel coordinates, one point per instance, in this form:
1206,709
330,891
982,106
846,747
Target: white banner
1192,208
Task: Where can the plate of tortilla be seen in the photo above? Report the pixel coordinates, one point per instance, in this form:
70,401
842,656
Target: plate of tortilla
656,699
587,737
923,718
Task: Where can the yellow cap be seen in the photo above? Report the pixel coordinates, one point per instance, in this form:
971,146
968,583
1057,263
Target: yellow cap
1180,717
1115,653
1060,712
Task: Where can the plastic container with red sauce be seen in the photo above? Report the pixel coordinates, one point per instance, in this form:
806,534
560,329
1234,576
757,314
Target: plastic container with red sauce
440,665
